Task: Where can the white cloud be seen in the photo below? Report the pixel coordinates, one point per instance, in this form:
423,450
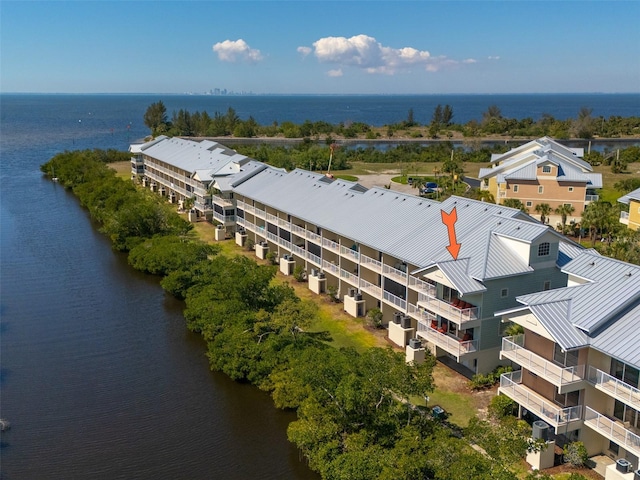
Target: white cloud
365,52
469,60
493,57
335,73
236,51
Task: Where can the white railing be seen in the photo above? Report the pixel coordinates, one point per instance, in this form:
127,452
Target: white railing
249,208
591,198
513,349
394,300
370,263
314,259
447,310
259,213
331,267
614,387
349,277
422,286
614,431
502,194
624,218
510,385
370,288
202,206
240,221
314,237
285,243
420,314
330,245
273,237
298,251
299,231
272,218
222,218
284,223
391,272
249,225
225,202
453,345
350,253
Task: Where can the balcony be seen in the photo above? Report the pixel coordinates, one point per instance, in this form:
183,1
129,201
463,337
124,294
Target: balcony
453,345
395,274
371,264
563,378
624,218
331,267
612,430
567,418
225,202
591,198
614,387
282,223
330,245
273,237
299,231
447,310
314,259
370,288
421,315
314,237
422,286
349,277
259,213
394,300
298,251
224,219
349,253
272,219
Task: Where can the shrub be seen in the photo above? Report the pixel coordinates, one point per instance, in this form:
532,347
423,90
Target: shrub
575,454
501,406
272,258
374,318
299,273
480,381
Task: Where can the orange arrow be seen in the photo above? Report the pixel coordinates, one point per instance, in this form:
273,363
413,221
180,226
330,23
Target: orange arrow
450,219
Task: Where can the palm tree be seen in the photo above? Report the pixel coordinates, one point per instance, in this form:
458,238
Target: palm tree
564,211
515,203
544,209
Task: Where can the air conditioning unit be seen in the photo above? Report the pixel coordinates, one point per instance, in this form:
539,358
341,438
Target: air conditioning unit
396,317
220,227
314,272
357,297
352,292
415,343
540,430
321,275
636,475
623,465
405,321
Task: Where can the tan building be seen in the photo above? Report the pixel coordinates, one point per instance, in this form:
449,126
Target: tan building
542,171
578,361
632,217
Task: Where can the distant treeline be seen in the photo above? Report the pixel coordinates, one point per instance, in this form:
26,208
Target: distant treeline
355,414
442,125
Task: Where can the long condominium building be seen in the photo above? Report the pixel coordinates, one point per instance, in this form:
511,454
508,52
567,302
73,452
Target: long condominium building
438,271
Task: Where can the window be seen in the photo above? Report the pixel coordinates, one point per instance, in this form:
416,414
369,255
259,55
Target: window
624,372
529,204
543,249
570,189
547,285
566,359
504,292
515,189
546,169
540,189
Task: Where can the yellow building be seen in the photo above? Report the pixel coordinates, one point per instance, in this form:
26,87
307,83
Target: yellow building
632,217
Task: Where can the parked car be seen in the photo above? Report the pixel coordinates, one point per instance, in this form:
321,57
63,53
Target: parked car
431,187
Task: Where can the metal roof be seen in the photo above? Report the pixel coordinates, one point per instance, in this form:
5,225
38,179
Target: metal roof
635,195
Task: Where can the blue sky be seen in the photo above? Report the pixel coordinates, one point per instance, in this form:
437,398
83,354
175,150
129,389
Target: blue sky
325,47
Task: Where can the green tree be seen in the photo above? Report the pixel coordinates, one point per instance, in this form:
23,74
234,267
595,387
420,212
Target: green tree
544,209
515,203
564,211
156,117
576,454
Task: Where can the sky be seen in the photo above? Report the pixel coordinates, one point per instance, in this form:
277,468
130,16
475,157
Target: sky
320,47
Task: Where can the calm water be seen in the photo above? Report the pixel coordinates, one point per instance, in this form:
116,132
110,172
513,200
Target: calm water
99,376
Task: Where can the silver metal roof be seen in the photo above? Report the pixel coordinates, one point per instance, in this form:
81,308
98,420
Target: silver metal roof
635,195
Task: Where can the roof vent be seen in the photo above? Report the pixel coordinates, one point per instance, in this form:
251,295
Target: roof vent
592,264
628,274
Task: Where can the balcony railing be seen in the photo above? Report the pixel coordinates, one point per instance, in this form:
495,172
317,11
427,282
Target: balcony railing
282,223
202,206
370,263
394,300
259,213
513,349
298,250
370,288
453,345
273,237
331,267
420,314
330,245
624,218
225,202
591,198
349,253
394,273
510,385
422,286
224,219
284,243
314,237
299,231
272,219
614,387
349,277
445,309
612,430
314,259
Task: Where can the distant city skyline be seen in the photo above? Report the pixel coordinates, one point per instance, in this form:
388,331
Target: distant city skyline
320,47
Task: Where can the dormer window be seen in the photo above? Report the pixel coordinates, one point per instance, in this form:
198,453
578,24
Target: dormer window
546,169
544,249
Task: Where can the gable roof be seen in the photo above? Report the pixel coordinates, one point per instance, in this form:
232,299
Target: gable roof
635,195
